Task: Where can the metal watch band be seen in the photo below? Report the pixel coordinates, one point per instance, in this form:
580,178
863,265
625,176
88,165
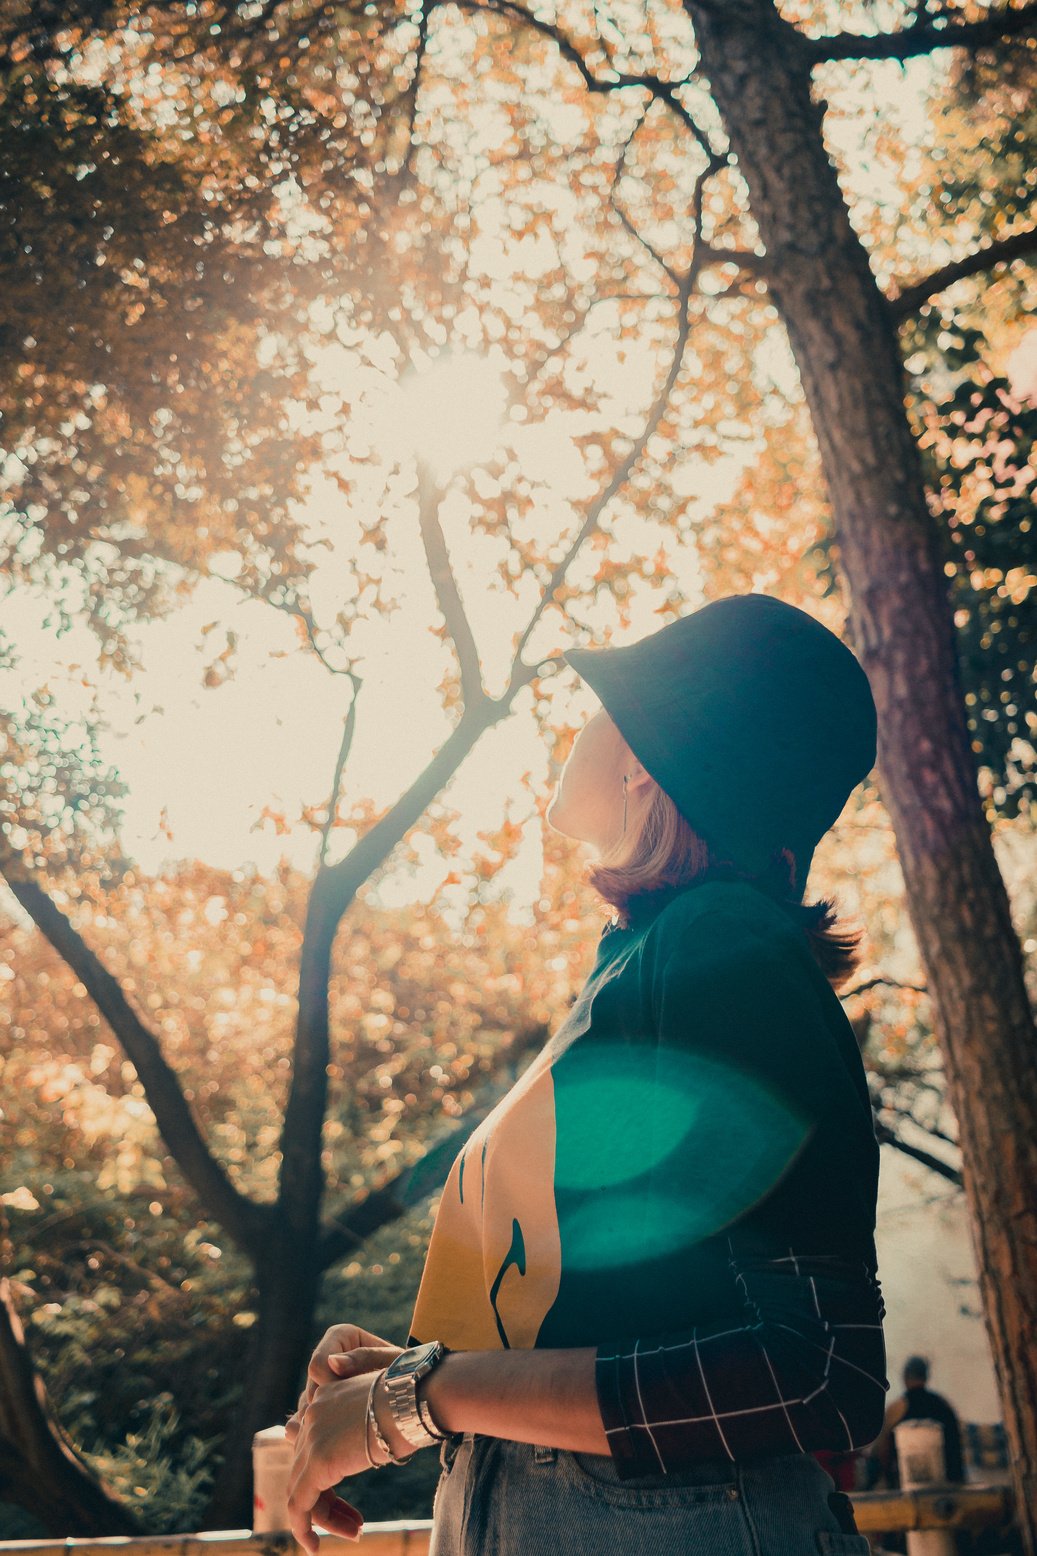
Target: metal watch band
410,1413
427,1419
372,1423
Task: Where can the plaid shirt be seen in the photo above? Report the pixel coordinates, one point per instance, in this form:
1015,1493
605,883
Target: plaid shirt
806,1370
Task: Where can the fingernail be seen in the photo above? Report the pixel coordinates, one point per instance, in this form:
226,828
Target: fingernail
341,1363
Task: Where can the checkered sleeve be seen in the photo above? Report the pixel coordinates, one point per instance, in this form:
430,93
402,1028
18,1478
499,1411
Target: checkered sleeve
804,1370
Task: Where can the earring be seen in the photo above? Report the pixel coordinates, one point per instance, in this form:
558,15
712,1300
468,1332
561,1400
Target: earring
625,777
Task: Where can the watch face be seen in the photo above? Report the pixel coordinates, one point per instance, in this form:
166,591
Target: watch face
410,1361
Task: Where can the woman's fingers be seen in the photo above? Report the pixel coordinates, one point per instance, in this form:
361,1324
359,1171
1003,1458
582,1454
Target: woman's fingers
365,1337
340,1339
329,1448
295,1421
343,1364
365,1358
337,1515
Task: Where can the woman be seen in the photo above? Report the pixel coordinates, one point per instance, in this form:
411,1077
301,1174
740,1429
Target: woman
650,1292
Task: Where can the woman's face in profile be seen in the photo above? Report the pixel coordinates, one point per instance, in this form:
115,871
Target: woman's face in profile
588,803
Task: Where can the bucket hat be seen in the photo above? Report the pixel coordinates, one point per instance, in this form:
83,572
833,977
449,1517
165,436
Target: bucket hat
754,718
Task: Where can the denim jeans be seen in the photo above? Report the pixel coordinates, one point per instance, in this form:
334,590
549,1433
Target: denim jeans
496,1497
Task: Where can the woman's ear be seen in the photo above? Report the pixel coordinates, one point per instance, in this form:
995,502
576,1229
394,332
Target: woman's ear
639,777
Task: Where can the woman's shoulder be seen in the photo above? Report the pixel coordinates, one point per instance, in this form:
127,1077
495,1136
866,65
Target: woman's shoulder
723,907
728,934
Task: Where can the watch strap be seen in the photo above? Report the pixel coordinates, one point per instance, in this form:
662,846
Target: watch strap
409,1409
427,1419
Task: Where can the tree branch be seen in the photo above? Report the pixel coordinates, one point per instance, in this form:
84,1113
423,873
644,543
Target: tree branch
752,264
412,89
334,888
886,1136
664,90
873,983
241,1218
345,746
448,596
412,1185
625,219
686,287
618,78
925,35
1018,245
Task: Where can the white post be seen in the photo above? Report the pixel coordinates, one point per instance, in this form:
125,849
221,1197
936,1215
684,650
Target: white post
919,1448
272,1456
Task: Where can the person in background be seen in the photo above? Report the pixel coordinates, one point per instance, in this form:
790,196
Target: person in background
842,1466
919,1403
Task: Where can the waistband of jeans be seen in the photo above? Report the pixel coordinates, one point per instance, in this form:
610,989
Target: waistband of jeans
759,1465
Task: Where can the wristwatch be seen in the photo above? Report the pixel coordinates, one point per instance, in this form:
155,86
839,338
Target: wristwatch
409,1410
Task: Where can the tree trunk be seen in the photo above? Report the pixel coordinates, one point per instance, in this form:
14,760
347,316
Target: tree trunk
38,1464
893,557
288,1277
287,1258
288,1273
288,1287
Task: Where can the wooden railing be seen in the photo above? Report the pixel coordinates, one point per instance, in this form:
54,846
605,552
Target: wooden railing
972,1507
396,1537
937,1507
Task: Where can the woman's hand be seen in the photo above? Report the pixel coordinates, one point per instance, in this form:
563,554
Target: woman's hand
330,1435
338,1341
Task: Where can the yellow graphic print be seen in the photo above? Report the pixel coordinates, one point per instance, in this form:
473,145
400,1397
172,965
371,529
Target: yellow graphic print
494,1260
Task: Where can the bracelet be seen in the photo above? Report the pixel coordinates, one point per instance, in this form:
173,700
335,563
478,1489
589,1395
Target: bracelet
427,1419
369,1416
372,1421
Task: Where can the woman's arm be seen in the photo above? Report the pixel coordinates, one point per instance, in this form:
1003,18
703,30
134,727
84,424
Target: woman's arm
807,1373
530,1396
545,1396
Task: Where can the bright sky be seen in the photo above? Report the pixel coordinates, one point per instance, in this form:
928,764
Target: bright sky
209,760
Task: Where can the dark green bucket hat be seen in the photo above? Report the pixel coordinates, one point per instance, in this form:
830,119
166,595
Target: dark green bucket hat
751,715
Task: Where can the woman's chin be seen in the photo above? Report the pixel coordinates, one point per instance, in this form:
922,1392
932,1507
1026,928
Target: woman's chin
555,823
561,824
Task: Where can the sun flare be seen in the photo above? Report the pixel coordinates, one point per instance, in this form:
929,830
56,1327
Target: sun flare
451,413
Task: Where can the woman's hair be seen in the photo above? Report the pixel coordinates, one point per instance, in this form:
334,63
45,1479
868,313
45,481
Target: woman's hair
661,849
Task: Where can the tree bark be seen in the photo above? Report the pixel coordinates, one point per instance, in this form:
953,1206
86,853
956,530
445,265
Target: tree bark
894,562
36,1457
